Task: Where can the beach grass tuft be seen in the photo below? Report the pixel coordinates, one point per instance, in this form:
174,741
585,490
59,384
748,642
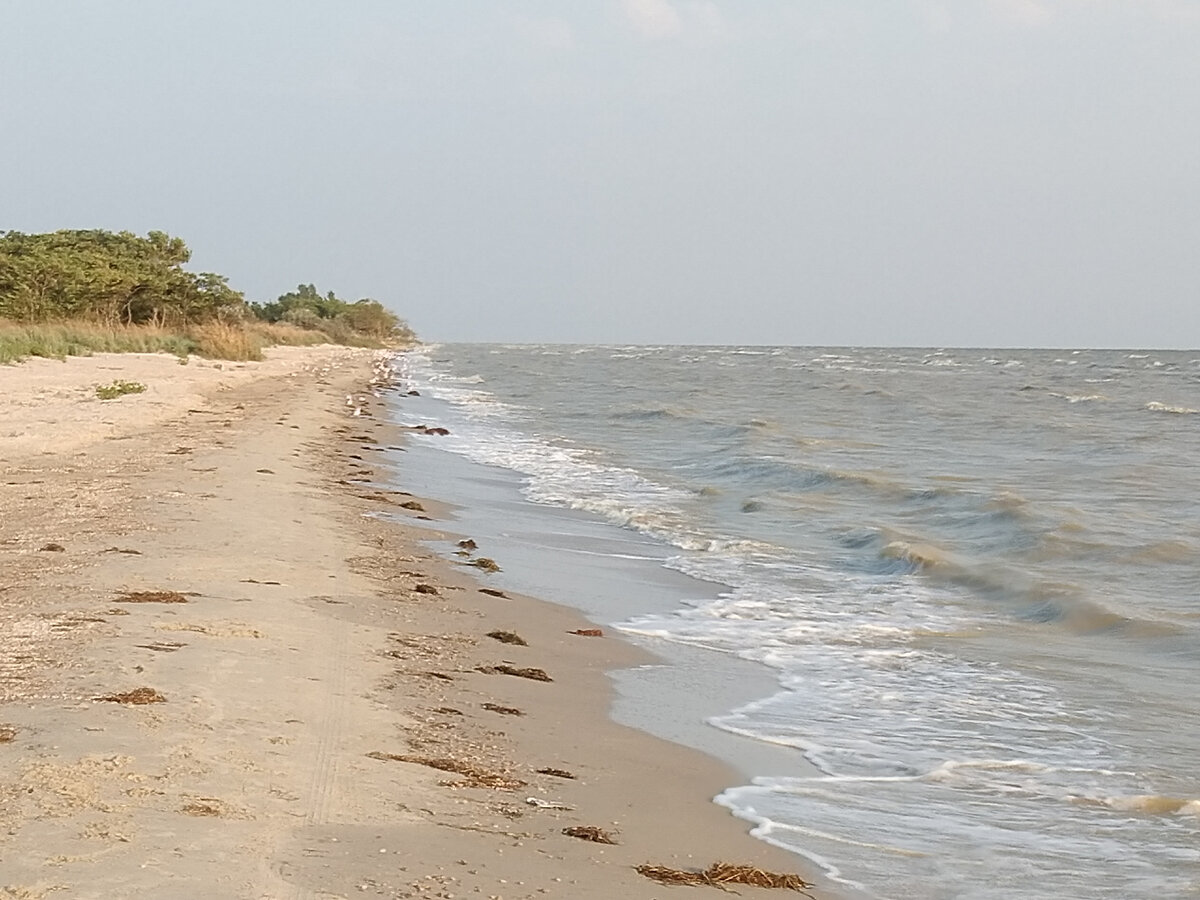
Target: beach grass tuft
119,388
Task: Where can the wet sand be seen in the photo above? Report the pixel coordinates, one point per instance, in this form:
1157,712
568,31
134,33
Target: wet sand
330,716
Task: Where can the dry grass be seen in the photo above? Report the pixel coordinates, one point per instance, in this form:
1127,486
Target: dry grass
215,340
475,776
284,334
590,833
218,340
722,874
137,697
58,340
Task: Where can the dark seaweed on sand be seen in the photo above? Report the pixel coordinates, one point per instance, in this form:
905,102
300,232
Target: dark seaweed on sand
503,710
152,597
137,697
508,637
521,672
590,833
475,776
722,874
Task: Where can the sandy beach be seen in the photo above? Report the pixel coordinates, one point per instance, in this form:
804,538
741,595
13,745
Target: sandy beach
229,668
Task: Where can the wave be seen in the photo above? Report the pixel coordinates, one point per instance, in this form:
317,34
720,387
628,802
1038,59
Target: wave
918,556
1079,398
648,415
1155,406
1164,552
1149,804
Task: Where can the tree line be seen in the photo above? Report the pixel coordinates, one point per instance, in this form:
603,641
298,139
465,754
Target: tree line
120,278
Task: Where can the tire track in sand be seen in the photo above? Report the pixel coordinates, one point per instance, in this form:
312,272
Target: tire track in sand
332,643
323,788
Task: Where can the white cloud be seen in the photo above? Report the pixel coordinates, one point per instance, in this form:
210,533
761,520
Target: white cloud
652,19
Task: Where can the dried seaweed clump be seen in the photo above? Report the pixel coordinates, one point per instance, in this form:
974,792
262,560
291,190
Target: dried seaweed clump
557,773
488,565
475,775
503,710
137,697
7,734
152,597
201,809
492,592
588,632
425,589
590,833
508,637
520,672
720,874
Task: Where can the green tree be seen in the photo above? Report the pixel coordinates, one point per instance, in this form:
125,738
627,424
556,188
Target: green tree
111,277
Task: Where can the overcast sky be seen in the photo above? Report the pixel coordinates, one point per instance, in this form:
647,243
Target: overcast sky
911,172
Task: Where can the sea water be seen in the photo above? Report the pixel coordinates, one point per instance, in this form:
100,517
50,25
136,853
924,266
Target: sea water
973,578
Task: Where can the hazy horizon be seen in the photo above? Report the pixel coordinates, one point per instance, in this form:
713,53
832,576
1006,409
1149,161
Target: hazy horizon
984,174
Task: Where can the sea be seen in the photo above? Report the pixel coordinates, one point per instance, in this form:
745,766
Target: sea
951,597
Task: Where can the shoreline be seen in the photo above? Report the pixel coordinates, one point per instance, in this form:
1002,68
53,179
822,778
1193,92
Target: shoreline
307,659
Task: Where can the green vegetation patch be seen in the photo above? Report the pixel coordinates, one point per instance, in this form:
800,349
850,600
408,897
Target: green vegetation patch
78,292
119,389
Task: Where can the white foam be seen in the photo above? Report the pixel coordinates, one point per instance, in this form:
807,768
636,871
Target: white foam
1155,406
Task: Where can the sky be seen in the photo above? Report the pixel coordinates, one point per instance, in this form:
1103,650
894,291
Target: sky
978,173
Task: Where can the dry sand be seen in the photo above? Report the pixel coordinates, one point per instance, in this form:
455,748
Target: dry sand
316,661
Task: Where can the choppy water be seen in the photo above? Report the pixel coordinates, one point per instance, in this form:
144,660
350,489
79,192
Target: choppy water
976,573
